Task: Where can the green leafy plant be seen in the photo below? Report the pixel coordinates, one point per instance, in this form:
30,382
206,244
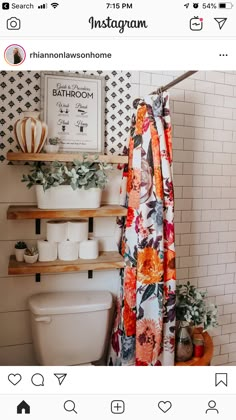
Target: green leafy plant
20,245
192,306
78,174
31,251
54,141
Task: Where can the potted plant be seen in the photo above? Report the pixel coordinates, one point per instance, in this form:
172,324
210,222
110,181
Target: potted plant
77,184
192,307
20,248
52,145
192,310
31,255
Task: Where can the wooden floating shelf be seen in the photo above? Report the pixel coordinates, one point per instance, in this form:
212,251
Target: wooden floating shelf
106,261
62,157
32,212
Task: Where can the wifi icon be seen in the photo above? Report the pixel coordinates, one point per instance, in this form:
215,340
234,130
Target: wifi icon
54,5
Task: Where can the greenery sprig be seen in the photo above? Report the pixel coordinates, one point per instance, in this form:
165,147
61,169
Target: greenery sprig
192,306
20,245
78,174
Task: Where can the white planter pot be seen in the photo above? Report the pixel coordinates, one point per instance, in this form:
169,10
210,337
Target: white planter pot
19,253
50,148
64,197
31,259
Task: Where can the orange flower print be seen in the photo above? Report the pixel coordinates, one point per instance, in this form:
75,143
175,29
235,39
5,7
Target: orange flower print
168,138
169,265
146,123
130,217
136,181
130,286
123,247
155,147
150,266
158,182
148,341
139,121
130,164
129,181
129,316
134,196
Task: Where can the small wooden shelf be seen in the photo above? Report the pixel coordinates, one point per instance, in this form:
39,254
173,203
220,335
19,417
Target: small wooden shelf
106,261
62,157
32,212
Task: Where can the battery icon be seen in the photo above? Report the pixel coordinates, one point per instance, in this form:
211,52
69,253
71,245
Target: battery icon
227,5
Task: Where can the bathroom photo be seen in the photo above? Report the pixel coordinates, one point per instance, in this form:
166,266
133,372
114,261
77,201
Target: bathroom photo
118,218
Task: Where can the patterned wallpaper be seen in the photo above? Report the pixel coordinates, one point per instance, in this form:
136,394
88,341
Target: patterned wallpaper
20,91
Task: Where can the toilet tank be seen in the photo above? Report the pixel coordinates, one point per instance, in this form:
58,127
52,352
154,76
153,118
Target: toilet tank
70,328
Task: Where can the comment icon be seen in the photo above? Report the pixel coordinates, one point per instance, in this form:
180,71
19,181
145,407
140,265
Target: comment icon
37,379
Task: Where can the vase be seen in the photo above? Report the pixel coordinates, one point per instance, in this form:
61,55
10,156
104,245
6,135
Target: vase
64,197
184,345
31,259
19,253
30,132
51,148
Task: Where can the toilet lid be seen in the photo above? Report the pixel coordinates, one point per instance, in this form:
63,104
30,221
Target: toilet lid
70,302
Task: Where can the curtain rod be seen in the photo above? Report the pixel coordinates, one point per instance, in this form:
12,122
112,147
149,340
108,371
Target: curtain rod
174,82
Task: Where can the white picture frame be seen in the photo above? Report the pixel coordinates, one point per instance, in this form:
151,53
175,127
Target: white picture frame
72,105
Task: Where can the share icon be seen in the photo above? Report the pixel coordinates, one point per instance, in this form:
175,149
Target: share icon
221,22
61,377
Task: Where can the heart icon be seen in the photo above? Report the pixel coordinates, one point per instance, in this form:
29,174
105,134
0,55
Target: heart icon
164,406
14,378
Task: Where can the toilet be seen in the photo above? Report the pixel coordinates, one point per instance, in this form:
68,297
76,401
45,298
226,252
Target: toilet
70,328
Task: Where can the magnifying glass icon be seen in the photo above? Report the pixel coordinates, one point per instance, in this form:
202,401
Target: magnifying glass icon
69,406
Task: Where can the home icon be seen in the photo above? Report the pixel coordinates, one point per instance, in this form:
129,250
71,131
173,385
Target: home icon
23,408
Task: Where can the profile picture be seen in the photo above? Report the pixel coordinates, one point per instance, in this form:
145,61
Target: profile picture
14,55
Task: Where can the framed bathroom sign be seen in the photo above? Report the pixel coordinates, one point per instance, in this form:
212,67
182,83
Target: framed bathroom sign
72,106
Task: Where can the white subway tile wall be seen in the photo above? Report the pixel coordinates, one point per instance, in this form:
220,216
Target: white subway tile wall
204,141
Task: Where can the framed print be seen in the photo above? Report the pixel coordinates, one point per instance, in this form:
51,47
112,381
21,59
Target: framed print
72,106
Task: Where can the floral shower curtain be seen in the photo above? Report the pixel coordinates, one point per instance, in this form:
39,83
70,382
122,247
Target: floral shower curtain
144,329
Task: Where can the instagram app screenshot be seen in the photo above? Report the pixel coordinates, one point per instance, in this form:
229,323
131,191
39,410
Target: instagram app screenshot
117,209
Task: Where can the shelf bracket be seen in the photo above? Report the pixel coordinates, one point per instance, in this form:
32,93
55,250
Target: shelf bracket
90,224
90,272
37,277
37,226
